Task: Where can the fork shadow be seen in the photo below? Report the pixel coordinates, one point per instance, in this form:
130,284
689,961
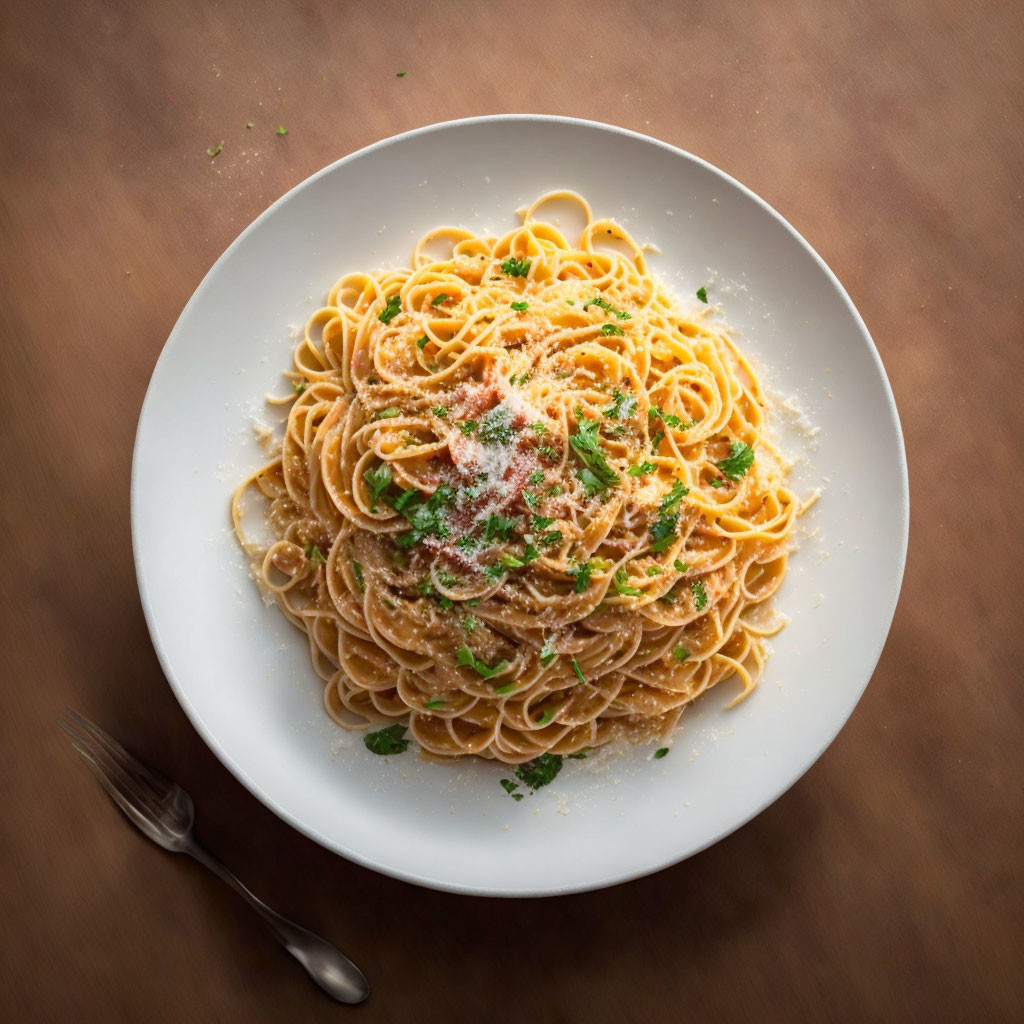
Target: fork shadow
678,919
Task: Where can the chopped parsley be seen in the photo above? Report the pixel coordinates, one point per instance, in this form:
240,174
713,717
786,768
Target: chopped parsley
622,587
663,532
547,451
531,499
281,130
579,672
440,410
494,572
586,442
657,439
741,458
214,150
498,527
401,74
545,716
681,653
510,561
422,342
579,755
670,419
552,537
520,307
510,787
387,414
496,426
539,523
378,480
607,329
623,406
392,308
467,427
670,503
604,304
580,573
530,554
680,566
660,753
536,477
502,690
469,624
465,658
357,571
298,386
439,298
314,554
654,570
540,771
435,703
642,469
702,293
538,428
386,741
515,267
700,595
716,483
425,516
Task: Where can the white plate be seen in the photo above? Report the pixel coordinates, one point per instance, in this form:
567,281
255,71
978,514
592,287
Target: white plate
243,674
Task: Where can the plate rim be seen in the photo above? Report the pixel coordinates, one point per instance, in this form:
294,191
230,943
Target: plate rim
240,774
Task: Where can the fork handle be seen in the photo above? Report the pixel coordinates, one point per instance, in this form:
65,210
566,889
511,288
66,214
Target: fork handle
327,966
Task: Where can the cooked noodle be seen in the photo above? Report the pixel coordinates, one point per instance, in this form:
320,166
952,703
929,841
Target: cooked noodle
522,529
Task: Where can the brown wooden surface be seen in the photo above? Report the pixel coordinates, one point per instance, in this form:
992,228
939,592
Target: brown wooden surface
886,884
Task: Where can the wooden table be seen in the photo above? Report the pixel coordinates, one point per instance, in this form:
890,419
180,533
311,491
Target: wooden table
886,885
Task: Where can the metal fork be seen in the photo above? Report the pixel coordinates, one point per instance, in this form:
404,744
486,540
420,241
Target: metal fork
163,811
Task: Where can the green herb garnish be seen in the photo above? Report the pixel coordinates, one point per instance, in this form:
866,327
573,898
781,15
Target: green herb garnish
540,771
498,527
392,307
439,298
623,406
607,329
378,480
538,428
314,554
357,571
386,741
422,342
681,653
496,426
435,703
467,427
469,624
656,440
660,753
401,74
700,595
580,573
663,532
520,307
387,414
579,672
670,503
281,130
680,566
552,537
548,654
741,458
510,787
586,442
299,386
622,587
702,293
440,411
465,658
515,267
214,150
642,469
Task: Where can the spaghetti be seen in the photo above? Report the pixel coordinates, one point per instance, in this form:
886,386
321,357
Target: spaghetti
524,503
